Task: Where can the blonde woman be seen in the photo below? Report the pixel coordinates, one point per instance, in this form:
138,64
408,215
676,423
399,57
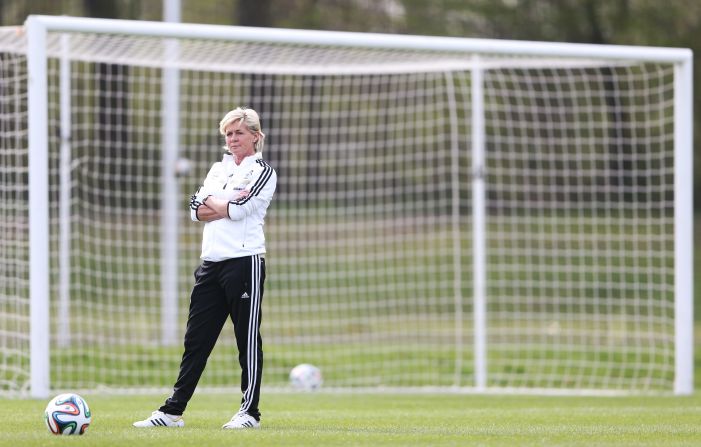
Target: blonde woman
232,203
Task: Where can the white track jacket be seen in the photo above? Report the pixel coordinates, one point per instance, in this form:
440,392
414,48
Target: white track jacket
241,234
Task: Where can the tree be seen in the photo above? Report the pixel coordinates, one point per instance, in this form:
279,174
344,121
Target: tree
112,138
253,13
621,22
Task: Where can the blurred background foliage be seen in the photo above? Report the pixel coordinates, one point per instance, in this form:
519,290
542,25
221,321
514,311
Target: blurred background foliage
672,23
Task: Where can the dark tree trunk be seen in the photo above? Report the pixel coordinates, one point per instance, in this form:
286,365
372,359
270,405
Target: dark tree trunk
254,13
112,136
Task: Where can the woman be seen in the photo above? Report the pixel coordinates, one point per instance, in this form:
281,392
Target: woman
232,202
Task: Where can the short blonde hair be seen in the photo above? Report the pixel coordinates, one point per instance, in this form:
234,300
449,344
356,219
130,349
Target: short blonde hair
250,119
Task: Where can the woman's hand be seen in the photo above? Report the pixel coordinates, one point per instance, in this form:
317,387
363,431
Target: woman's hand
241,194
212,209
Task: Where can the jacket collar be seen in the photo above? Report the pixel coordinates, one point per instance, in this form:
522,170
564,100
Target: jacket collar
229,158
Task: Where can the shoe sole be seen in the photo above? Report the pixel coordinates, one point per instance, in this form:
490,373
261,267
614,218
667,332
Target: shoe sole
156,424
241,427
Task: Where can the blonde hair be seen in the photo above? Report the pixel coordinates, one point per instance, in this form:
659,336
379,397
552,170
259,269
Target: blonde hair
249,118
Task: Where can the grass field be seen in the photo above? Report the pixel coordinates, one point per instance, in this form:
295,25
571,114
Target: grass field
325,419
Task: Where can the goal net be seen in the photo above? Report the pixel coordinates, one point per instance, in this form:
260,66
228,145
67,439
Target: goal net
450,213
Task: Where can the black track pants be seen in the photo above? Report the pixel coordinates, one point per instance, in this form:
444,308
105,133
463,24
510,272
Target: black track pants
232,288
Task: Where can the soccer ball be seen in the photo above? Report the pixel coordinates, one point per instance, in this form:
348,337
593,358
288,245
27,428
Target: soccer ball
67,414
306,377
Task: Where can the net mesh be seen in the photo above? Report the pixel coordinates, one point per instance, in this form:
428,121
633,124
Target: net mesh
14,242
369,236
581,227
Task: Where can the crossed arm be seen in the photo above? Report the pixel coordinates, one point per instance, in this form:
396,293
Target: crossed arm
207,208
214,209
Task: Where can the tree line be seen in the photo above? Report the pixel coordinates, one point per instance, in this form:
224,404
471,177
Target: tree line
674,23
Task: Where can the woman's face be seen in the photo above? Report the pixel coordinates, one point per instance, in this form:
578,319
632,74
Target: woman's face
240,140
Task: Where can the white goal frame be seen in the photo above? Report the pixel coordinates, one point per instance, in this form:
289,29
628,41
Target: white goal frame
36,31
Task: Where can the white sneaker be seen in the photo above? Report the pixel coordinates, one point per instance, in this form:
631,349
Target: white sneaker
242,420
160,419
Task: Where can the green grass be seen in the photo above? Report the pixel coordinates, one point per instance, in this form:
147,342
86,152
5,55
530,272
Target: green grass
325,419
361,419
367,364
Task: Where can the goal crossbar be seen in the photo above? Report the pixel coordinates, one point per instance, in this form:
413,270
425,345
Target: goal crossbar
362,40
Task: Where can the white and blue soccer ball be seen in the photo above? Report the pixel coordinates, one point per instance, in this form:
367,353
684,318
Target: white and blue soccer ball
306,377
67,414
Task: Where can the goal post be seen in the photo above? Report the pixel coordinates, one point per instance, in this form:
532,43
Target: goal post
683,228
452,213
38,172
